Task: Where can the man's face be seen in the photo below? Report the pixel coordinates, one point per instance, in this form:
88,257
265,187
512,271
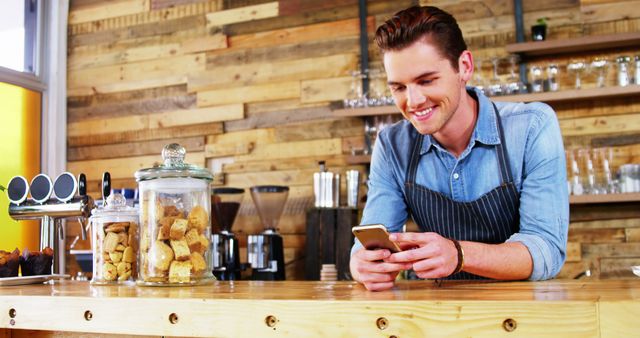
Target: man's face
426,88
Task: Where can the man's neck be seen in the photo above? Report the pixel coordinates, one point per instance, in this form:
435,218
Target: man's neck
457,131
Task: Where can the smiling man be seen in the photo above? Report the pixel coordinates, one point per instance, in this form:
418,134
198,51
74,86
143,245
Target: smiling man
485,182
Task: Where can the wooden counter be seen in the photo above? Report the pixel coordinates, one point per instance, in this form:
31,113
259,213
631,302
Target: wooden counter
333,309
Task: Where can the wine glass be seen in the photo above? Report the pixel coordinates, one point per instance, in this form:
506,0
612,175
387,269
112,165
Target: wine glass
478,80
601,66
495,85
577,67
514,85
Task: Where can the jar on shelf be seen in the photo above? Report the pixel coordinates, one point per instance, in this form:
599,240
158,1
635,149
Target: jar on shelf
175,214
114,230
624,71
637,70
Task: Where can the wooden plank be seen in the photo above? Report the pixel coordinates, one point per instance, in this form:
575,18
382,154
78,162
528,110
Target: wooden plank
156,121
265,92
305,50
288,178
104,10
615,317
250,74
274,151
146,134
314,32
153,31
290,7
632,235
161,4
275,118
574,252
320,130
325,90
229,149
254,136
605,198
610,12
618,268
287,164
242,14
580,44
601,125
606,224
138,75
191,144
126,167
92,60
207,43
612,250
611,235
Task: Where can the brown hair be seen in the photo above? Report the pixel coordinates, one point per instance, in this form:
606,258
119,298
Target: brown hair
415,23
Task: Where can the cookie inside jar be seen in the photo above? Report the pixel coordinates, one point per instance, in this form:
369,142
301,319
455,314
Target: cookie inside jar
175,231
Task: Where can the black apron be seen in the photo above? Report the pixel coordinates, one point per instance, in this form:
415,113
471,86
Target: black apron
492,218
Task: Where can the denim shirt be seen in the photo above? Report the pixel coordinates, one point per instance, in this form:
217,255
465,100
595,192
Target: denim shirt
537,162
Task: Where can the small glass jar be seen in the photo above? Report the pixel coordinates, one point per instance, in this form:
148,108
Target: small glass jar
175,228
114,230
637,70
624,73
537,82
552,77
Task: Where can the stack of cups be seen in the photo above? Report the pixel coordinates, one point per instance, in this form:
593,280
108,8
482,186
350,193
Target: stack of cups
328,272
353,185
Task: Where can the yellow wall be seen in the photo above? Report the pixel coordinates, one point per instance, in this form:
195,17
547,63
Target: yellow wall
20,155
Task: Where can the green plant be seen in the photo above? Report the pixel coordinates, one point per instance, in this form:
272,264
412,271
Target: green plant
542,21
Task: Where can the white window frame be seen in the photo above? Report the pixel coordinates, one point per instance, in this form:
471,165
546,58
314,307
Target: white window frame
49,78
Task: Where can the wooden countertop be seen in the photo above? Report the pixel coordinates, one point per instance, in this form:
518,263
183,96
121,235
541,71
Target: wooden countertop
303,309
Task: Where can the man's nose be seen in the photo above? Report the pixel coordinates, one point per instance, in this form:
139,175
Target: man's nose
415,97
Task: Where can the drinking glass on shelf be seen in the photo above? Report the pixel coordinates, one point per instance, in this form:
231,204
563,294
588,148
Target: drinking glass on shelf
478,80
552,77
600,65
588,172
603,158
577,67
376,88
536,80
355,91
574,173
495,85
514,85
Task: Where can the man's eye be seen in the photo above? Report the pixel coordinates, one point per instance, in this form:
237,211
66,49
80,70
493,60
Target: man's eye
424,82
396,89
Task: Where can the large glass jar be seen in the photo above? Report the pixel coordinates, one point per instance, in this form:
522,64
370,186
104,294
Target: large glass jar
114,230
175,231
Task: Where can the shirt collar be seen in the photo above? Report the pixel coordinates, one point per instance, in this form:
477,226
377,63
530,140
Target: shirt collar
486,129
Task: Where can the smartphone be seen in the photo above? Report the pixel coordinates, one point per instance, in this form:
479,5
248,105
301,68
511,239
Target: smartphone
375,236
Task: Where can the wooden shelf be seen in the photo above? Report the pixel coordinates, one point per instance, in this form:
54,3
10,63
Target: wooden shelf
563,95
607,198
369,111
582,44
571,95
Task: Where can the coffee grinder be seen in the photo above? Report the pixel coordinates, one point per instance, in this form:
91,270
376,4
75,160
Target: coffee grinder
265,252
225,203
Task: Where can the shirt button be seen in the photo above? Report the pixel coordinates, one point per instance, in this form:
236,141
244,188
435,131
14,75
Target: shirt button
455,176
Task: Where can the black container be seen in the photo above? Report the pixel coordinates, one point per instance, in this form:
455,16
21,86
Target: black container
539,32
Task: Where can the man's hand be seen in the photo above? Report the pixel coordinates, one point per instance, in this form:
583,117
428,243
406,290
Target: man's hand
432,256
368,268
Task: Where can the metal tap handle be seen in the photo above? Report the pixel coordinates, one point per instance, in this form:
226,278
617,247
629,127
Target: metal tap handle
83,229
106,186
82,184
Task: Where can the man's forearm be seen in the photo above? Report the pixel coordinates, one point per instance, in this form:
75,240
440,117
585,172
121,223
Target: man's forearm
505,261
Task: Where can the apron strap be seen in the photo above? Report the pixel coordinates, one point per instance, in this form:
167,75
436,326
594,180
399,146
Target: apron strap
505,170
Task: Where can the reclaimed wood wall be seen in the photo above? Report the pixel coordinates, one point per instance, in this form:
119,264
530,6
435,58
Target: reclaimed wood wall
246,87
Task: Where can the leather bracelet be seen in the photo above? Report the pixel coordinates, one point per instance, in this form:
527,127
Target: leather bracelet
460,265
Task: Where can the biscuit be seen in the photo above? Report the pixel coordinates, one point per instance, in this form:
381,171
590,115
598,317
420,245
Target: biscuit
110,242
180,272
198,218
180,250
160,256
198,263
178,228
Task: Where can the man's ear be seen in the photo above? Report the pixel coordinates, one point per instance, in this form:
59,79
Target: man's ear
465,66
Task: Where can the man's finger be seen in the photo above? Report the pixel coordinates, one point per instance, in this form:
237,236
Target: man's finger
415,238
378,286
410,256
381,267
373,255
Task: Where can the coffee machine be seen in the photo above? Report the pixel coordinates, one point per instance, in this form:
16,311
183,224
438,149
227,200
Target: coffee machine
265,252
225,203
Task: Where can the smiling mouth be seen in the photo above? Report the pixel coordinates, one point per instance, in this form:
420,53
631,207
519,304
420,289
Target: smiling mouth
423,112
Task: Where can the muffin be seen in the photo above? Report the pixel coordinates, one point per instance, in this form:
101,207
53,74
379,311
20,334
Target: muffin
9,262
36,263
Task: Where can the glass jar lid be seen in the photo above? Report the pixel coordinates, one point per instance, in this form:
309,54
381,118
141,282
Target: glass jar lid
115,205
173,166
